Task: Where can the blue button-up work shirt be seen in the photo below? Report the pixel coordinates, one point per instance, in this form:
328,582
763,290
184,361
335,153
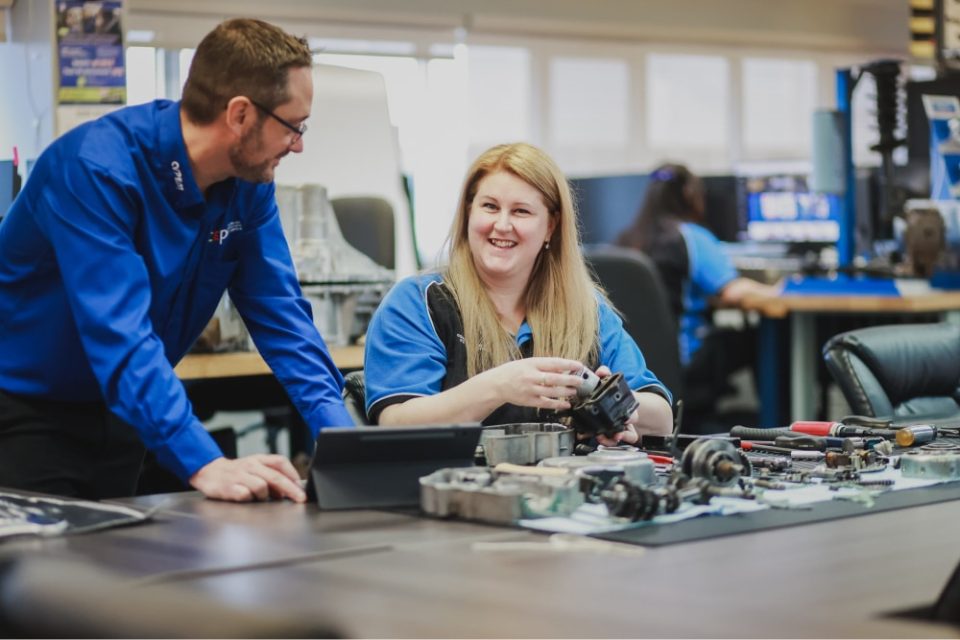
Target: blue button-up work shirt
112,262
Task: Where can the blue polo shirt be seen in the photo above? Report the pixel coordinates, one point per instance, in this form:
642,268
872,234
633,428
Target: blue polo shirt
709,269
415,347
112,262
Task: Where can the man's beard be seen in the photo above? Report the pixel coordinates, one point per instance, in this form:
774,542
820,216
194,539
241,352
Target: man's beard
250,146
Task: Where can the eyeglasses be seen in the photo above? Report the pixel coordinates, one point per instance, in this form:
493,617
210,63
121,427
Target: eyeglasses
297,131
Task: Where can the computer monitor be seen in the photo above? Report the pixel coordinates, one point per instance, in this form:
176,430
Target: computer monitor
609,204
723,204
782,209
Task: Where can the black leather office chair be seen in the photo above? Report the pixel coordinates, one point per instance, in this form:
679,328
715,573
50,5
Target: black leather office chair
634,286
367,224
354,397
898,370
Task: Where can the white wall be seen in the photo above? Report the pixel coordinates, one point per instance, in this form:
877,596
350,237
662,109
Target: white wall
26,71
351,148
848,25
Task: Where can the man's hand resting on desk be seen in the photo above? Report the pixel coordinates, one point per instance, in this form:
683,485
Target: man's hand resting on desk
255,477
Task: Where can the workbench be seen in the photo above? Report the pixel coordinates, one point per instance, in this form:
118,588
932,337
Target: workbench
394,574
200,366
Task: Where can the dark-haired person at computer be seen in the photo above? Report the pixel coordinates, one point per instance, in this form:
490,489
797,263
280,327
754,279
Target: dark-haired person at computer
495,335
697,273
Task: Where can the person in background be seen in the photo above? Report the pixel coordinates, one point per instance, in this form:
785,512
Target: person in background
698,275
114,257
495,335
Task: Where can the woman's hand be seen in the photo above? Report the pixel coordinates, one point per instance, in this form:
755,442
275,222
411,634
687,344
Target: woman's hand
543,383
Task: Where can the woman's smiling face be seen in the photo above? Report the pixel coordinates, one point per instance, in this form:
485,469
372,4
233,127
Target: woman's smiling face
507,228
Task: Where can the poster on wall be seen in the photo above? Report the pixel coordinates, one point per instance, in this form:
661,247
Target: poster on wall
90,51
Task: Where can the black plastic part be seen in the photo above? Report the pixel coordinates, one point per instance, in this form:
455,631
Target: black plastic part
607,409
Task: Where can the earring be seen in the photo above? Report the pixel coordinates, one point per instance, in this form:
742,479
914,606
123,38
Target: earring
546,245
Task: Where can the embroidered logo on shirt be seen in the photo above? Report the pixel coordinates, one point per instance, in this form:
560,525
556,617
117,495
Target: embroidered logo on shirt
177,175
219,235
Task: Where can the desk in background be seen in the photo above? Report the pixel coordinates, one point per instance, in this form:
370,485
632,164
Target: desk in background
389,574
242,381
199,366
802,311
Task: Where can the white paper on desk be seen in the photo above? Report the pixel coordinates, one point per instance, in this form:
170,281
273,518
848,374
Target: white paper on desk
593,518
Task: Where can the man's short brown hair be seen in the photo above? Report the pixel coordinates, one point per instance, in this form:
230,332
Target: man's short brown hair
241,57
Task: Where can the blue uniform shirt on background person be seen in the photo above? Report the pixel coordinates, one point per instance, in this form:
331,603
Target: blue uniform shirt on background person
412,348
111,264
709,270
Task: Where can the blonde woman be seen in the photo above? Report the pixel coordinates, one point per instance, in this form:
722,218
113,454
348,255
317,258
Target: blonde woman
496,334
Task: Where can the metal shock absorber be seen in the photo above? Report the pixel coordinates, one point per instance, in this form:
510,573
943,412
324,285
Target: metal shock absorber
886,74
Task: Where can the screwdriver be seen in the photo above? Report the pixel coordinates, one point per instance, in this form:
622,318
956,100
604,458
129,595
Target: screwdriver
916,434
809,443
838,429
796,454
817,429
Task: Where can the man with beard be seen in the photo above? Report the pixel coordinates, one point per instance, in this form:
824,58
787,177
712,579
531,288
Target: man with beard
114,257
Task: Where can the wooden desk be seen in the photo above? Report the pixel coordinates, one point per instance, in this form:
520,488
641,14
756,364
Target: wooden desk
379,574
802,310
249,363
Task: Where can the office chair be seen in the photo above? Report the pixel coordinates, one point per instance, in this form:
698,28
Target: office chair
354,397
367,224
634,286
898,370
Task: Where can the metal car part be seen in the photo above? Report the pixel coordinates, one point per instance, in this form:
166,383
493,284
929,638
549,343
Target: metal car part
624,500
714,460
504,498
635,466
607,409
525,442
588,381
930,466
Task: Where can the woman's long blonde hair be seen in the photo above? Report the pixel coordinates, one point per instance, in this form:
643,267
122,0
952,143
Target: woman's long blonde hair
560,299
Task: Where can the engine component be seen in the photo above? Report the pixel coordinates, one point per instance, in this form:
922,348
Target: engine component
633,465
525,442
773,463
940,446
477,493
930,466
862,460
716,461
588,381
607,409
625,500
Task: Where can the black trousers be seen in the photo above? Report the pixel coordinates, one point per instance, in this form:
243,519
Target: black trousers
67,448
706,378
